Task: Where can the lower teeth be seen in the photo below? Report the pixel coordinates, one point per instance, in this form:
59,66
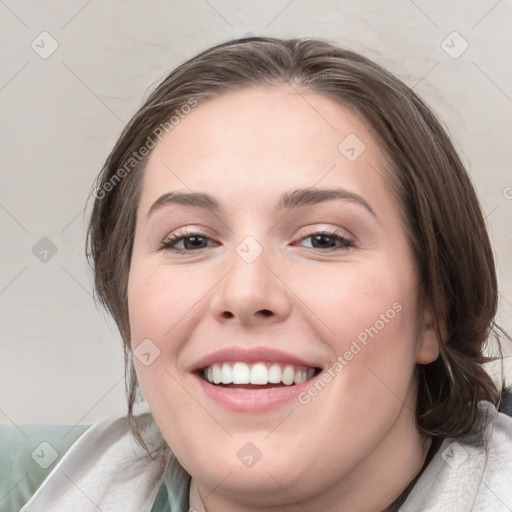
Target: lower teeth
252,386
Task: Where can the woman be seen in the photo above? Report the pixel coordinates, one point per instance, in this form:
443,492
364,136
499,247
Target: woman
301,275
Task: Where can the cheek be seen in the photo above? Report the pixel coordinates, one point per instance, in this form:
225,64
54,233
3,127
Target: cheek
369,318
165,305
160,308
160,302
353,300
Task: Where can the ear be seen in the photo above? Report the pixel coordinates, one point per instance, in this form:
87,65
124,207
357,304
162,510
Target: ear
428,337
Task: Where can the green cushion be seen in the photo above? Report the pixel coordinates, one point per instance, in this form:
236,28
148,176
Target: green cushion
28,453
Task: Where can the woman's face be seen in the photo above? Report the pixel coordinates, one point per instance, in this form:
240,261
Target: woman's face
269,247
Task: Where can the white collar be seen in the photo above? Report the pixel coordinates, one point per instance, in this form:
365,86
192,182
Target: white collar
196,503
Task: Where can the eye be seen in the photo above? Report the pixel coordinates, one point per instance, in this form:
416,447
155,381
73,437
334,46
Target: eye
328,240
186,243
190,242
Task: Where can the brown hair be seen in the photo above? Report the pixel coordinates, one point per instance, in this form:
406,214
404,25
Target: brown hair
440,209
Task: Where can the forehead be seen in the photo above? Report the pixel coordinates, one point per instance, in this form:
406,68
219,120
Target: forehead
269,117
263,139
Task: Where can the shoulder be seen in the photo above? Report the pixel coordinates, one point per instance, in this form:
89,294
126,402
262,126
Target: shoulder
464,477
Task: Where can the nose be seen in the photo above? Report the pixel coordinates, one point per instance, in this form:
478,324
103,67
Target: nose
252,293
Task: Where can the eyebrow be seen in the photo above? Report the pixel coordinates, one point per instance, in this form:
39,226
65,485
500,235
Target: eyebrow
288,200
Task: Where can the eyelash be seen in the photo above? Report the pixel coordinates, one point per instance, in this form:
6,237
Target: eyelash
169,243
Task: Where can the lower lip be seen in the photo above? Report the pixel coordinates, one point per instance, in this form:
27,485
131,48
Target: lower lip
248,400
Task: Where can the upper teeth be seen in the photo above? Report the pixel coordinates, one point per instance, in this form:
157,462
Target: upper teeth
258,373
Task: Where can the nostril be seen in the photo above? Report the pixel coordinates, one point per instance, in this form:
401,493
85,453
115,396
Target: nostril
264,312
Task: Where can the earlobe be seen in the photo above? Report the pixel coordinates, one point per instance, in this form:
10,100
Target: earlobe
429,340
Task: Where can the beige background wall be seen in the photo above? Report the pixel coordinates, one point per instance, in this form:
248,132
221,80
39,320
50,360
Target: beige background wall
61,357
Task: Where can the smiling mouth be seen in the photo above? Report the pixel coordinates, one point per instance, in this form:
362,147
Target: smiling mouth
260,375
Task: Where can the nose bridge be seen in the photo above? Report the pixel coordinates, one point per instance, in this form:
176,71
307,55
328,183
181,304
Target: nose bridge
250,276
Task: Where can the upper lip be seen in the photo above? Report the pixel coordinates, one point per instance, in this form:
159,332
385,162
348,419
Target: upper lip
252,355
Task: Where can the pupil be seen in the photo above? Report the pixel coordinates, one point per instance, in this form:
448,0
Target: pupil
195,242
319,238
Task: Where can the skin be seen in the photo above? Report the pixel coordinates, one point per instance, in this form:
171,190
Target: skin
355,445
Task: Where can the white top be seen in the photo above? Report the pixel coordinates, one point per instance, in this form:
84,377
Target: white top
105,469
